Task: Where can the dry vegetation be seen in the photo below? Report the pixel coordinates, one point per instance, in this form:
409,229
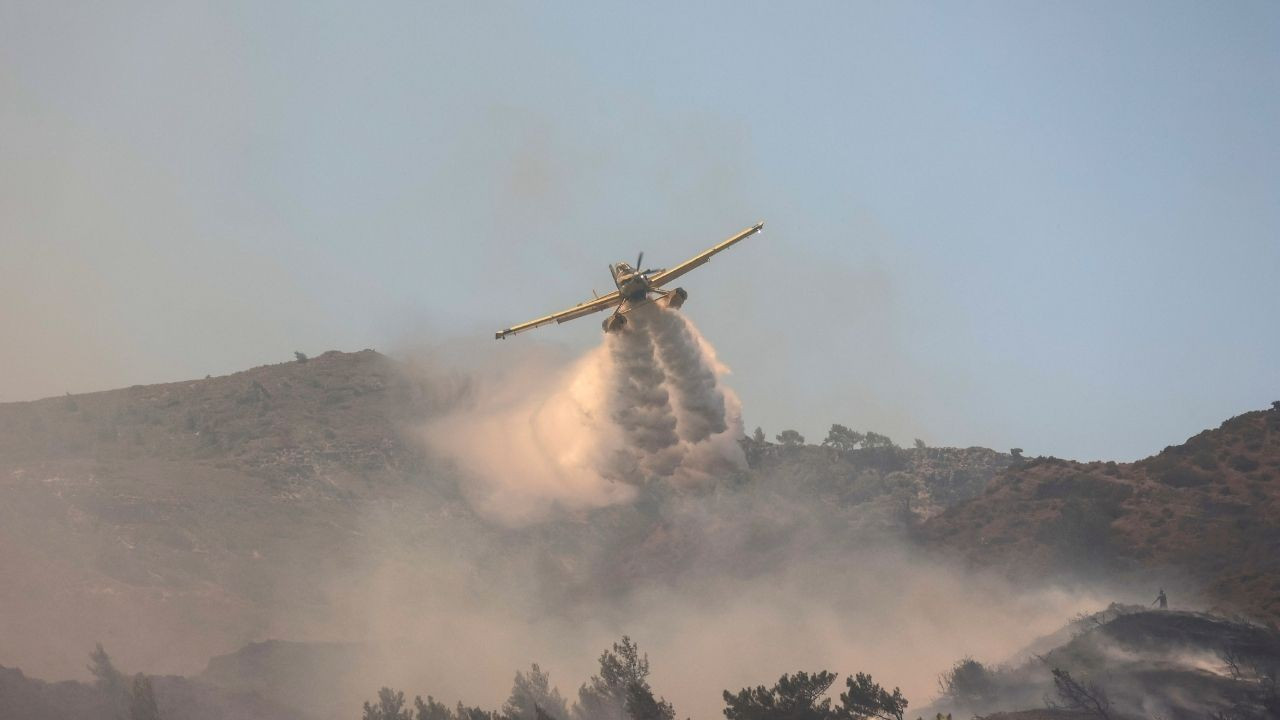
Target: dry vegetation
209,511
1208,509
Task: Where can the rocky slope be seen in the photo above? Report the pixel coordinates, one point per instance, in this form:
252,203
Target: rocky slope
205,510
1204,514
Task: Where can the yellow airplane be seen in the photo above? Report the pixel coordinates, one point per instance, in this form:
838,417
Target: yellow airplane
634,287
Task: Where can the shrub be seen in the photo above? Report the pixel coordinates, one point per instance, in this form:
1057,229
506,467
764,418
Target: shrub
1244,464
1205,460
842,438
968,683
1183,477
876,440
790,438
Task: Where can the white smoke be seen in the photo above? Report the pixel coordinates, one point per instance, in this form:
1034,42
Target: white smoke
647,404
693,381
708,415
641,403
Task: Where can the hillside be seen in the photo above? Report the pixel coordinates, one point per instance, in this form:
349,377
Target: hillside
1144,663
333,417
193,509
239,508
25,698
1207,510
181,522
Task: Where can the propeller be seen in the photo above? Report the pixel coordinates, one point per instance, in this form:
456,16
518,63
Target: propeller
639,264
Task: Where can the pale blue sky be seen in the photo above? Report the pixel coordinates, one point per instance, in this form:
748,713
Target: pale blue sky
1050,225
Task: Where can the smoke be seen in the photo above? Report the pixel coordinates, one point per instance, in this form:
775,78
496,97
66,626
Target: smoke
566,535
641,403
723,588
457,627
709,416
646,405
534,440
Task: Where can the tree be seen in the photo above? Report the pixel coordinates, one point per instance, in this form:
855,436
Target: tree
801,697
1081,697
621,690
463,712
110,682
133,699
790,438
390,707
431,710
876,440
758,435
142,704
793,697
105,675
642,705
1016,453
920,444
865,699
842,438
968,683
299,356
533,693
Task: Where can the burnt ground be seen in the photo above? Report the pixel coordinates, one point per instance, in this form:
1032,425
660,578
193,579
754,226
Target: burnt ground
1144,663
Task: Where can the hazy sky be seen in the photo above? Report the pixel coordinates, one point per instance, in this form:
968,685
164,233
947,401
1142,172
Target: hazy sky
1050,225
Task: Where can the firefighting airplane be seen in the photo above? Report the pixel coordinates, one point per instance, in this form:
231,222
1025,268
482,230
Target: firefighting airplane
634,287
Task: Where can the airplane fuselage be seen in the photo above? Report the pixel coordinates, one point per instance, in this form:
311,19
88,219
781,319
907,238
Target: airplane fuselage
631,285
636,288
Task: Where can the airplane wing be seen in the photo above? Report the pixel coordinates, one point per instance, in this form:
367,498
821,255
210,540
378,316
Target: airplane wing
601,303
666,276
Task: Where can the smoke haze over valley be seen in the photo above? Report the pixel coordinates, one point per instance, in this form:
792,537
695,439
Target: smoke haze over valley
349,499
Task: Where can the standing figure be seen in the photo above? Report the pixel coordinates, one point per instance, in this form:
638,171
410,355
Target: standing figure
1162,600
